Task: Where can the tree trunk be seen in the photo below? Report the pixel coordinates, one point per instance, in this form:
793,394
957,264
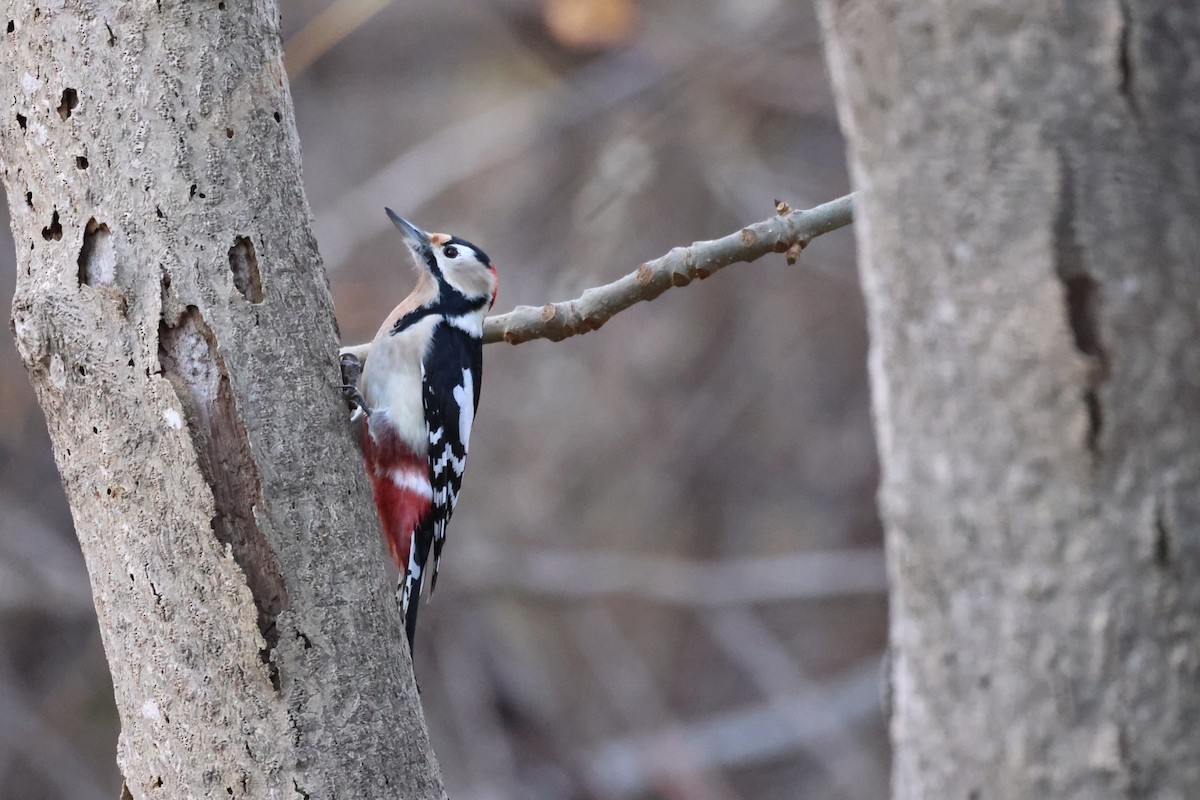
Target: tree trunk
1029,178
176,323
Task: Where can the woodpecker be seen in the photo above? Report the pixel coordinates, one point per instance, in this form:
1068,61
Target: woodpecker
418,392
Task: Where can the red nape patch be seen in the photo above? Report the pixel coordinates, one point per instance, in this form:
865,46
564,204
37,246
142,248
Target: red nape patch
400,481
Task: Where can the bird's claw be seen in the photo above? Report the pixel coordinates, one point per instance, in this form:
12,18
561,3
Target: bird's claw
351,371
355,399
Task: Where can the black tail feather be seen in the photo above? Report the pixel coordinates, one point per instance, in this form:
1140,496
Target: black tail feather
410,619
421,543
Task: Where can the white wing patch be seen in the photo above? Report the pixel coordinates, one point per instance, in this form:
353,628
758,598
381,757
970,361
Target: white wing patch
465,397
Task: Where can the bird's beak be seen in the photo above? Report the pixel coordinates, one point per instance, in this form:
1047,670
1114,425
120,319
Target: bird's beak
416,239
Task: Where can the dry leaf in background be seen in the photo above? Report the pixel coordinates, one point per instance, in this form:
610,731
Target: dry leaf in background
590,24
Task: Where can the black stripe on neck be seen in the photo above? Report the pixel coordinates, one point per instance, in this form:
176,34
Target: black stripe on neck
454,306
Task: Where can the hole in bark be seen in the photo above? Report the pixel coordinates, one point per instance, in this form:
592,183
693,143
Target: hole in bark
81,370
1123,62
1127,87
243,263
158,213
70,99
54,229
1082,306
29,199
1081,298
190,359
229,133
1095,413
97,259
278,117
156,782
304,638
192,192
11,26
81,162
1162,538
21,121
221,6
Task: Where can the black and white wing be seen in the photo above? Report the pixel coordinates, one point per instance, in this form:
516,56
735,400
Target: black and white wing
452,370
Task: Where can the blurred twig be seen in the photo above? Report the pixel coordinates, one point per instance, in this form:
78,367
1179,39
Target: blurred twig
472,704
843,753
462,148
26,735
324,31
748,735
671,761
39,570
576,574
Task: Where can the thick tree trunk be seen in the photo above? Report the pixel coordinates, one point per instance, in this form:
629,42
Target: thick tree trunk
177,326
1029,178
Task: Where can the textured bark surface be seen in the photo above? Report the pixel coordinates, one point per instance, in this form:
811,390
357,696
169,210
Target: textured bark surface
1029,178
176,323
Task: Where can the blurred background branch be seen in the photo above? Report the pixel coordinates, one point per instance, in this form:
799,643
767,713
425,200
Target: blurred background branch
727,582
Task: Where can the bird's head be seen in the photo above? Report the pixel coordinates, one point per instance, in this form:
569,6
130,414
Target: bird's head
457,264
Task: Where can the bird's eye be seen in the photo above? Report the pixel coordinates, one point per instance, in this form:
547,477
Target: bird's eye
450,251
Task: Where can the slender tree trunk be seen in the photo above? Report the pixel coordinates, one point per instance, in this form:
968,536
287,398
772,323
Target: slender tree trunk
176,323
1029,223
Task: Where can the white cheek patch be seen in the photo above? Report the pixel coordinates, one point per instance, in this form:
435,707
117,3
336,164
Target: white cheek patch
466,274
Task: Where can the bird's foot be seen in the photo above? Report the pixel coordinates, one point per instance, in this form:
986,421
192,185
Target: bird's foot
351,371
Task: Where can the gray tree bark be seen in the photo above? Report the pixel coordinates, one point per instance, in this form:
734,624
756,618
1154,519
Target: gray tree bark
1029,223
177,326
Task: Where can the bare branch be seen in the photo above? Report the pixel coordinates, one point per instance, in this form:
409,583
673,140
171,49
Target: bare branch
788,232
785,233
